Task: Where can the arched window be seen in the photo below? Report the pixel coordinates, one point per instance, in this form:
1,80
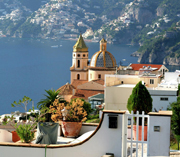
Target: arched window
78,76
78,64
99,76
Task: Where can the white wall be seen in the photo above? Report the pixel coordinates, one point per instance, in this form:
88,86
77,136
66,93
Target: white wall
105,140
116,97
159,142
158,94
169,76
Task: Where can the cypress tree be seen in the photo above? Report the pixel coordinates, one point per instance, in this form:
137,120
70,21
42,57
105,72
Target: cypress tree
140,99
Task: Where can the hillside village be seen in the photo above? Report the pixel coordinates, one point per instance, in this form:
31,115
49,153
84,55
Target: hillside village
108,87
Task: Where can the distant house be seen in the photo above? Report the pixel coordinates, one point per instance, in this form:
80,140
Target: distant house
139,69
81,89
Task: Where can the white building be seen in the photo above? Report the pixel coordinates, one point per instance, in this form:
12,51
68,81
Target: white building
117,93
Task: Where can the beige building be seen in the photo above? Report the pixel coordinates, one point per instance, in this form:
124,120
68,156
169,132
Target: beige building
102,62
119,88
79,68
139,69
150,80
87,79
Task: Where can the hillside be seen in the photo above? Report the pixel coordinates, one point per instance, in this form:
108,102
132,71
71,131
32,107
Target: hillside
143,22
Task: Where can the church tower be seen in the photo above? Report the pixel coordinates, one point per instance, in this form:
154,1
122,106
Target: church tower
79,68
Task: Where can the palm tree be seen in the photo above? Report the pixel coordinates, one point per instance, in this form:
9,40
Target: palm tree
50,97
48,101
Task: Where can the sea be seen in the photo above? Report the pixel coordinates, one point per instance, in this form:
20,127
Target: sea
28,67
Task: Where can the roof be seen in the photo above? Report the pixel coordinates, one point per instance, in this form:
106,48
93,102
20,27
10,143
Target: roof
76,83
103,40
80,45
81,93
98,96
137,67
66,89
103,59
100,81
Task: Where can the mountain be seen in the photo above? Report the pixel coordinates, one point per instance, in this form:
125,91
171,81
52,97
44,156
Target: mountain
150,24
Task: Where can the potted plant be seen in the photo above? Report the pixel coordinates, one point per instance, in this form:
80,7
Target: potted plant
71,116
140,100
25,131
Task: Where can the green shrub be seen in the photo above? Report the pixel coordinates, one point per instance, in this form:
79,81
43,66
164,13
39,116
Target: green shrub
25,132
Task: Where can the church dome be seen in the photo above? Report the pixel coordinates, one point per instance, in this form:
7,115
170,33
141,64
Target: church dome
103,58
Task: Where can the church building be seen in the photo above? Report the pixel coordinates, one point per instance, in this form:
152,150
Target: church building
102,62
87,78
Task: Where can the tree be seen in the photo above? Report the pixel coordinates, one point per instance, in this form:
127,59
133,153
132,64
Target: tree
48,101
175,119
50,97
22,103
140,99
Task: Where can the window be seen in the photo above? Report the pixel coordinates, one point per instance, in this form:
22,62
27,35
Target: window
99,76
164,99
84,55
78,64
151,81
78,55
74,55
78,76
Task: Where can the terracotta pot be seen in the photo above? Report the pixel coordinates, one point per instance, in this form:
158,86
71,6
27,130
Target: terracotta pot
71,129
15,136
140,133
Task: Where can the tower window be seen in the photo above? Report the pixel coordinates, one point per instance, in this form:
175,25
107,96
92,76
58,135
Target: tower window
151,81
78,76
74,55
78,55
78,64
84,55
99,76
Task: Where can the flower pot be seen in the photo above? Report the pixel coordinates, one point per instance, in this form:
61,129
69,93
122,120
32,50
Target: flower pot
140,133
71,129
15,136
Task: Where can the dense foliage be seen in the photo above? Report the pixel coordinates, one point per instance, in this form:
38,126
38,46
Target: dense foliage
25,132
72,112
140,99
86,105
49,99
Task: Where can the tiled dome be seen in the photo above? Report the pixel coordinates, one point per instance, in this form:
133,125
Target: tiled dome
103,59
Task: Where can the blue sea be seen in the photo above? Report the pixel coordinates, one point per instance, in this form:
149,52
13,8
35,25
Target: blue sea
28,67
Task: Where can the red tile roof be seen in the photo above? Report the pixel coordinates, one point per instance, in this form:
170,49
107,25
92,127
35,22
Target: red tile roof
81,93
66,89
76,83
136,67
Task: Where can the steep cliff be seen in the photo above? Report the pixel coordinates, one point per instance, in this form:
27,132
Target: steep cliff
162,50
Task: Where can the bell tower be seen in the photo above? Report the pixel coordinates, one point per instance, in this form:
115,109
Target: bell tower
79,68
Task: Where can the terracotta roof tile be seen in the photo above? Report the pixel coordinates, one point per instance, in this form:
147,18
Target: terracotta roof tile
66,89
76,83
80,93
136,67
